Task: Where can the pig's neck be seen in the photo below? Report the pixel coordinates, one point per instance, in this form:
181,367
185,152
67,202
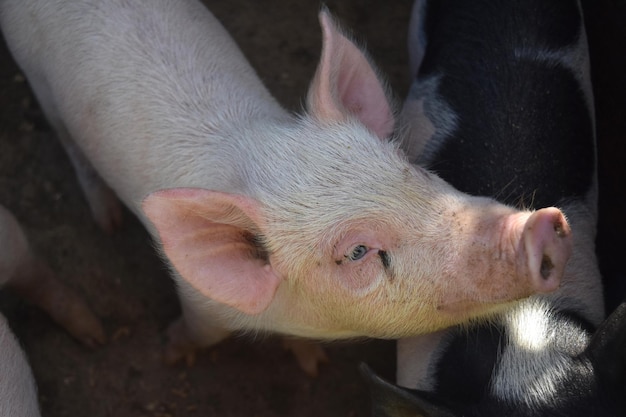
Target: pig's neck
284,316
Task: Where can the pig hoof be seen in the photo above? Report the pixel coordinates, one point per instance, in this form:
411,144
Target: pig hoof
175,353
310,355
78,320
181,344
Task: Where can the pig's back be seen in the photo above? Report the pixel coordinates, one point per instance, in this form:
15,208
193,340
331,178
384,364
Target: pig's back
147,89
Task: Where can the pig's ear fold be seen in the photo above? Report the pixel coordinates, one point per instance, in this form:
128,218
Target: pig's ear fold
212,240
607,349
345,84
389,400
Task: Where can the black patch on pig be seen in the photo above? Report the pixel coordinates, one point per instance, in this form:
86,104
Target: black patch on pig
524,132
464,370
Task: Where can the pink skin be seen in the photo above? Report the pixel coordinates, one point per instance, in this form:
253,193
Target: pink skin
533,250
546,248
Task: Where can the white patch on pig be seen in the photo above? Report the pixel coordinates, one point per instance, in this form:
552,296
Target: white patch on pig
419,374
433,119
418,128
537,358
416,37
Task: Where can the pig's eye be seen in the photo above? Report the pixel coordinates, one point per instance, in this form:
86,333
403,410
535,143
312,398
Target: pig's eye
357,253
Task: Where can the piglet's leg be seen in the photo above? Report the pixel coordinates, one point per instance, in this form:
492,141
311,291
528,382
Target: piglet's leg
36,283
103,202
183,342
310,355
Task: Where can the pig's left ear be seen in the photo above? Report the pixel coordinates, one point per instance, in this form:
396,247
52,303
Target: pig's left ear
211,239
345,84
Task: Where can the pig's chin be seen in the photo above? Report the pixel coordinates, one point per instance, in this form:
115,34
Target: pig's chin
475,308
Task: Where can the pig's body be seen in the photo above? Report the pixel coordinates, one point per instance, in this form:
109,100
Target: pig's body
312,226
18,394
503,89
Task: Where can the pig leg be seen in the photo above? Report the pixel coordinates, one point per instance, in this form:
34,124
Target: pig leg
310,355
18,393
103,202
194,330
36,283
183,342
33,280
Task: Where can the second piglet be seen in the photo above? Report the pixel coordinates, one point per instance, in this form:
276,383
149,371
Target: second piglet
502,106
313,225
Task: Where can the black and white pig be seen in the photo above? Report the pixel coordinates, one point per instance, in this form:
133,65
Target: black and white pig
502,106
312,225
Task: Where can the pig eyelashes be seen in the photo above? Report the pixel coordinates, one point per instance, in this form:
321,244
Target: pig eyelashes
359,251
384,258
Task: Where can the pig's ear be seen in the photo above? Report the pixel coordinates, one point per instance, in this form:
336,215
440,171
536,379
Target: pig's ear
212,240
345,84
389,400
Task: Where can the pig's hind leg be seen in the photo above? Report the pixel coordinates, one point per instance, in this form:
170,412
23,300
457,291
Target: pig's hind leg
309,354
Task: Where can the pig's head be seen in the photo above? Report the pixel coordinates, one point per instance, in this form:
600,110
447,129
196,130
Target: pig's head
342,237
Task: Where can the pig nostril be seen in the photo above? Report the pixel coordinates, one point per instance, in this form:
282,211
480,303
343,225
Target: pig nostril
546,267
559,229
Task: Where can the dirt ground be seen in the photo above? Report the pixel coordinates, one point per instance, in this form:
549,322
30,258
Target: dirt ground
127,285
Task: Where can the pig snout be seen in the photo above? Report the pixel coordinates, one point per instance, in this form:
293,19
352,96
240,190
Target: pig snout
548,244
